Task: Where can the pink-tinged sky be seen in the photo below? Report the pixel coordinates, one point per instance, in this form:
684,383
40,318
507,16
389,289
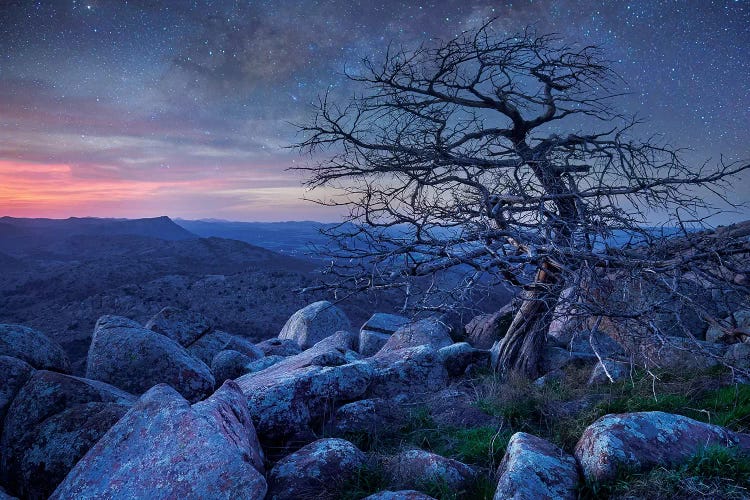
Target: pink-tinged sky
136,109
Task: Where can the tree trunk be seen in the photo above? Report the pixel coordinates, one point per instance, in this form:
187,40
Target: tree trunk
521,349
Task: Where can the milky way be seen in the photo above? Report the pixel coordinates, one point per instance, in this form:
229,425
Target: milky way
185,108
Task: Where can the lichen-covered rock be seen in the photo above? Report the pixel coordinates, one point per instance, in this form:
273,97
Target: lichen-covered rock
52,422
315,322
284,403
484,330
136,359
369,416
165,448
15,373
313,470
377,330
414,469
609,371
535,469
430,332
595,342
184,327
33,347
210,344
228,365
637,442
738,356
414,370
459,356
279,347
679,353
735,328
371,342
399,495
112,321
264,363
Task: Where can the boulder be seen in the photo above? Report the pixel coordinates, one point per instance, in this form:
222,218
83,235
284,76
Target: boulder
228,365
735,328
608,371
5,496
263,363
166,448
279,347
399,495
314,323
15,374
533,468
52,422
595,342
136,359
385,323
738,356
484,330
460,356
210,344
184,327
414,370
428,331
414,469
637,442
112,321
680,353
371,342
315,470
368,416
33,347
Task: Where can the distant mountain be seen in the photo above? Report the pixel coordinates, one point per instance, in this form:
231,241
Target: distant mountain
291,238
20,236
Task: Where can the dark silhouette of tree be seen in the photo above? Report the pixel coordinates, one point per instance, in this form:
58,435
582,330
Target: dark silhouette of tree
503,159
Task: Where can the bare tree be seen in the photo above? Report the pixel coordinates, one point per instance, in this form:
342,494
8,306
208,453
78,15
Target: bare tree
503,160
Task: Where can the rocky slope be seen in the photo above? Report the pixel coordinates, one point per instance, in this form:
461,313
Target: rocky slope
177,407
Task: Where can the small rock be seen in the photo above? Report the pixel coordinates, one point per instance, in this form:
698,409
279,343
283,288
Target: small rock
557,358
371,342
533,468
315,322
367,416
313,470
228,365
33,347
454,408
638,442
279,347
184,327
417,468
164,448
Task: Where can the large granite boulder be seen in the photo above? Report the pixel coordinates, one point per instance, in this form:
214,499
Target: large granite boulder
184,327
461,356
430,332
135,359
289,396
314,323
533,468
15,374
414,370
637,442
52,422
166,448
414,469
33,347
368,416
315,470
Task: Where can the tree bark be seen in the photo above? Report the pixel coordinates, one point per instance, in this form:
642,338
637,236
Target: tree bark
520,351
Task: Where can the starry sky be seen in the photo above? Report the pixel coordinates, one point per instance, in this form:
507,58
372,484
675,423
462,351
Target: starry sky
185,108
